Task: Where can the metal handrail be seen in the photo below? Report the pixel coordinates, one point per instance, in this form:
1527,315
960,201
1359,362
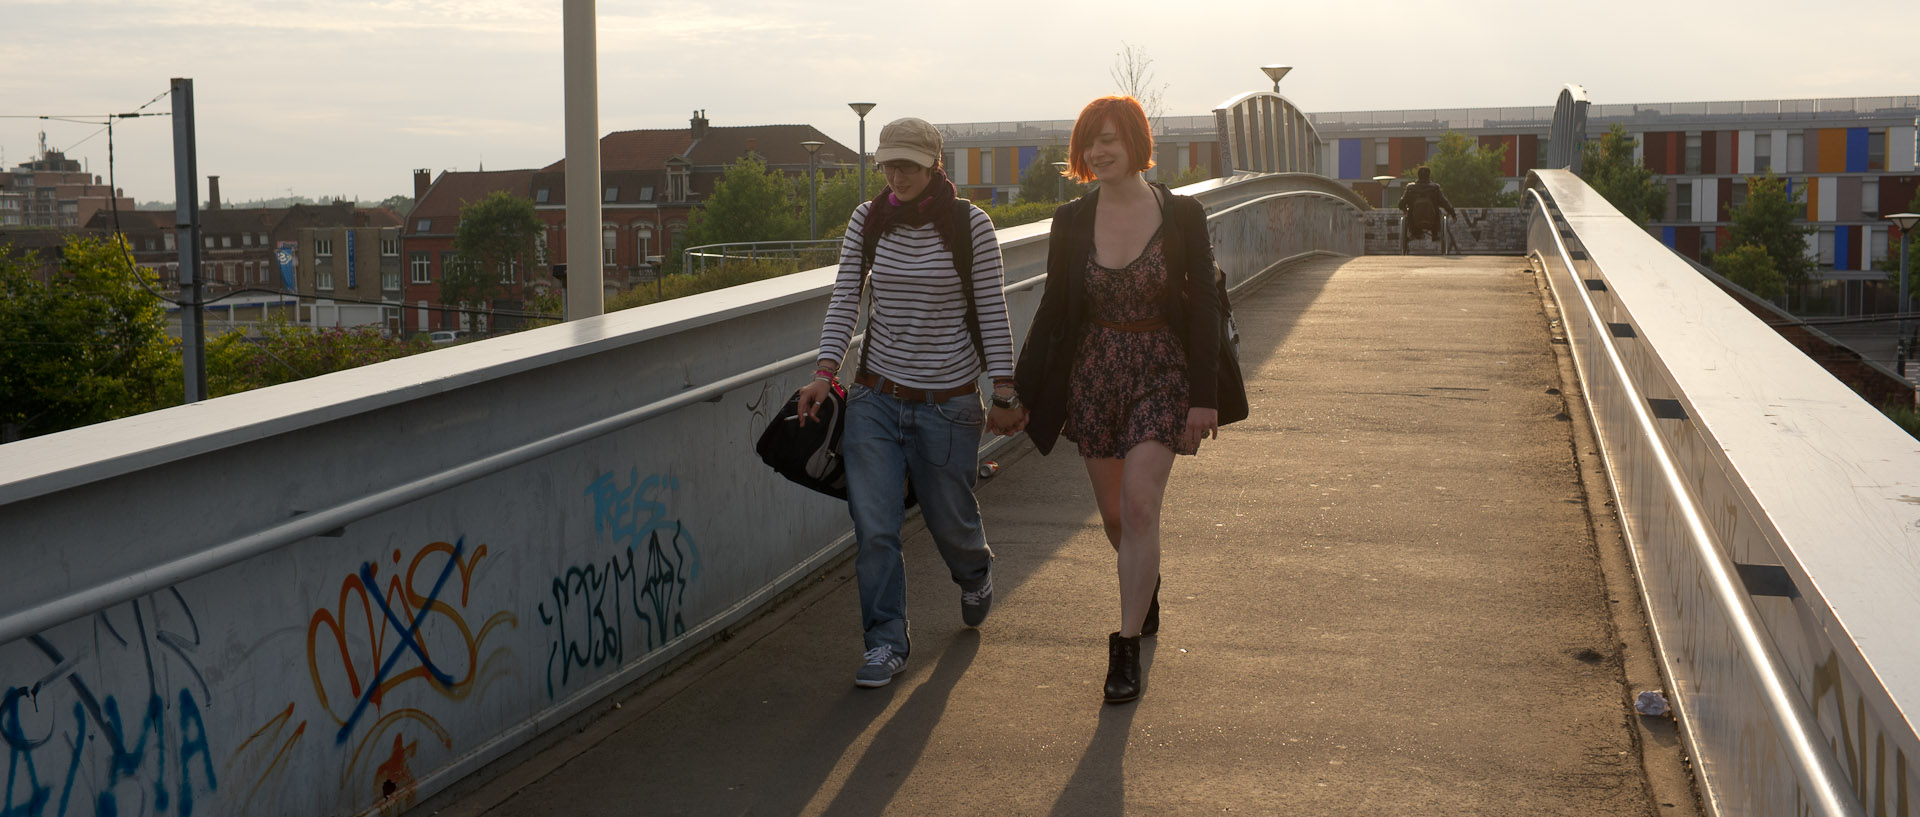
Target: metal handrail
687,255
1821,771
22,623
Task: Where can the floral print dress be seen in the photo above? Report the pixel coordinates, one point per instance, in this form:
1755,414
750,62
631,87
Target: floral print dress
1128,387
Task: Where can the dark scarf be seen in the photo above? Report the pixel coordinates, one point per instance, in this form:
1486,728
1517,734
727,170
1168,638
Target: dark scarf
935,205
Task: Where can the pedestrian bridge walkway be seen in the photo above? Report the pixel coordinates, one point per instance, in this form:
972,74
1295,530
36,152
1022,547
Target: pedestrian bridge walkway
1397,589
1381,596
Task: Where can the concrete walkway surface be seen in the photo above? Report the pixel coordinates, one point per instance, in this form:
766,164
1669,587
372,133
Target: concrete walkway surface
1382,597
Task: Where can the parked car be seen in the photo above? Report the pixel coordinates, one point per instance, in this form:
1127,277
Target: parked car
442,337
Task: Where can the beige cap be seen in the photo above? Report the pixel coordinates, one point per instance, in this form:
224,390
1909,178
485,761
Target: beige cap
911,139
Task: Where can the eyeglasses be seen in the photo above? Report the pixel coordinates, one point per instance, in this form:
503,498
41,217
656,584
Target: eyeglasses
900,167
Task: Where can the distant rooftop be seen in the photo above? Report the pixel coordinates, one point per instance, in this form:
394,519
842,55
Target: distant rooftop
1526,116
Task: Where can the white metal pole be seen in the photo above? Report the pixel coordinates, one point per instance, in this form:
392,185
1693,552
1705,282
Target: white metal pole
585,273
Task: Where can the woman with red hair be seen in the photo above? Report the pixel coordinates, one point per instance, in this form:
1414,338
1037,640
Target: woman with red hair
1121,355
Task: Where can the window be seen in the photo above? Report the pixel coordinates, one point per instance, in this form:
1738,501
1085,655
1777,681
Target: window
1739,199
423,225
540,196
390,247
1762,152
1870,198
246,239
1796,152
1693,154
207,241
677,183
644,235
509,271
448,262
226,241
646,193
1706,241
609,239
1876,150
166,240
1683,202
1381,157
390,279
322,278
263,239
613,194
323,247
421,267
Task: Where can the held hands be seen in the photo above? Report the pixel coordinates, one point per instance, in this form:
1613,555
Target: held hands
1007,422
1202,423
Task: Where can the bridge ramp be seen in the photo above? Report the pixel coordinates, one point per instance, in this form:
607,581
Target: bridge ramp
1382,596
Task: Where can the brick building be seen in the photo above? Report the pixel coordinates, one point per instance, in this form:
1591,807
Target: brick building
53,191
651,180
426,239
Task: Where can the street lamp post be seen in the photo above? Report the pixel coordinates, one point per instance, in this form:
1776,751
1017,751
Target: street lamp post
862,108
1060,183
1275,72
813,218
1902,347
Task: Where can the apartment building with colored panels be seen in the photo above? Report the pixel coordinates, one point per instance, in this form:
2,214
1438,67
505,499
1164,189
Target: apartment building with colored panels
1851,160
987,159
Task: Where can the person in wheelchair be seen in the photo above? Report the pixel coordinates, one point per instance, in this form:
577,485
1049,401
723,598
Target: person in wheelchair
1422,202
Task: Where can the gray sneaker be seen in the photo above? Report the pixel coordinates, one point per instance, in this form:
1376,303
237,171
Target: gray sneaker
975,603
882,663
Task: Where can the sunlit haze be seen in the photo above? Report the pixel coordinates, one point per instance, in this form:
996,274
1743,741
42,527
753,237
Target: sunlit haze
340,98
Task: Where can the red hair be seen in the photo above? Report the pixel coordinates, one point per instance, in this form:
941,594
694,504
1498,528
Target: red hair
1129,120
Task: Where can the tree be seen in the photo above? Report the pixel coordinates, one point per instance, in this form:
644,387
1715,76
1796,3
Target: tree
836,196
85,346
286,352
1132,71
1607,165
1471,177
1768,220
1749,266
1043,182
750,203
400,205
497,234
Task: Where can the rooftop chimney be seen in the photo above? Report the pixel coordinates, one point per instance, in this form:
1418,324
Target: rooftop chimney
213,192
422,179
699,126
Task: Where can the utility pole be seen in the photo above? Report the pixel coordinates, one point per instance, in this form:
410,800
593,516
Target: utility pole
186,226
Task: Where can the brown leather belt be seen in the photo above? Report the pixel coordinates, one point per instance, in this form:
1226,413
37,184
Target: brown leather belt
1142,325
909,393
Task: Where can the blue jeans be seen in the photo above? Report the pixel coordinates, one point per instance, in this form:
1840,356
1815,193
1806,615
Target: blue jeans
938,444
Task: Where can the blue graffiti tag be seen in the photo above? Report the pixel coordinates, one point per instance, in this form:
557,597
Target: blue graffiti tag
409,636
646,579
29,791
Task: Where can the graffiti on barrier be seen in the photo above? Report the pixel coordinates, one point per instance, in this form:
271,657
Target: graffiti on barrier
73,747
644,580
411,631
1879,773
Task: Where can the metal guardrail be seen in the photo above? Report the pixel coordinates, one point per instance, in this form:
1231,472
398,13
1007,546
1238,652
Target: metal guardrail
804,254
1762,504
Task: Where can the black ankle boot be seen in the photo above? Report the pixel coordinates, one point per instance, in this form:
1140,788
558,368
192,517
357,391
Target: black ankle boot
1152,624
1123,668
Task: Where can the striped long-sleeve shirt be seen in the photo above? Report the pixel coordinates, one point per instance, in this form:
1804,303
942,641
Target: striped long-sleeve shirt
917,335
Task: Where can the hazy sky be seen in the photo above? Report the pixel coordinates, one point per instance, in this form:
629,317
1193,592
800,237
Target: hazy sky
346,97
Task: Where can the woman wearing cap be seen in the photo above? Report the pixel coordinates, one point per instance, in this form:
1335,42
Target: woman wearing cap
913,403
1120,357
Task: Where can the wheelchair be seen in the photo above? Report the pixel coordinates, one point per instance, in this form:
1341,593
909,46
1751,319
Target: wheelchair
1437,226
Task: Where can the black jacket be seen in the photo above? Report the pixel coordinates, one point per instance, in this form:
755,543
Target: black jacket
1191,305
